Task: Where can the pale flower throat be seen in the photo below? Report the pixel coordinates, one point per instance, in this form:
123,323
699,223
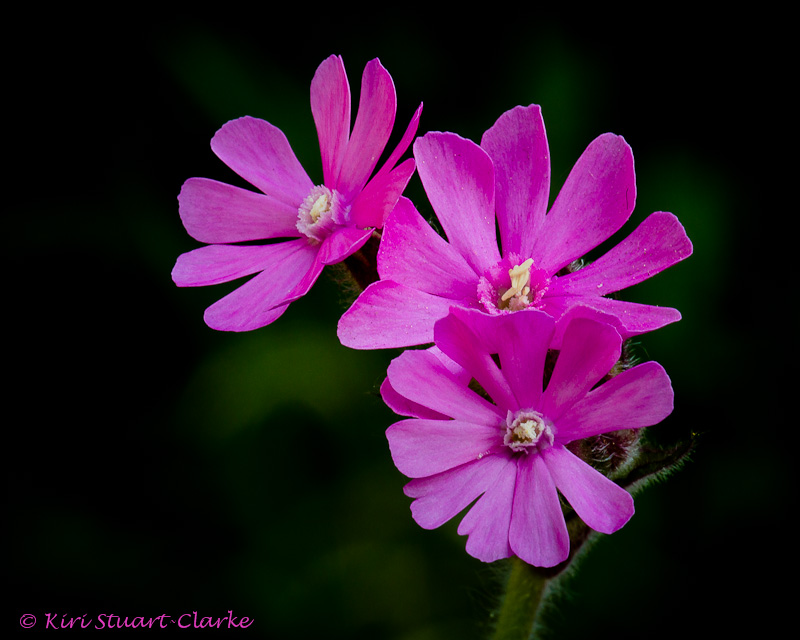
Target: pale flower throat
320,213
502,289
517,296
527,431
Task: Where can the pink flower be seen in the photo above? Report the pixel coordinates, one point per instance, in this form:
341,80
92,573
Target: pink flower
506,181
510,453
328,221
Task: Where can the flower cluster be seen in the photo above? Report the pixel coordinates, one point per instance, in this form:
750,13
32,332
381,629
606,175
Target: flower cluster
525,376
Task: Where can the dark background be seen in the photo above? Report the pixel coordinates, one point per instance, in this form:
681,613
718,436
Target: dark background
156,466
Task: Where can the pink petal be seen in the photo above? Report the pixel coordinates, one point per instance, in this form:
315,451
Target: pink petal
219,213
521,341
373,205
404,143
425,447
443,496
253,304
413,254
600,503
330,106
538,532
218,263
588,352
517,145
459,180
455,336
389,315
638,397
596,200
488,522
374,121
402,406
260,153
656,244
343,242
632,318
421,377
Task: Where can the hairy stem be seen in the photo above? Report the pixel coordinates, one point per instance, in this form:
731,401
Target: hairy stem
518,611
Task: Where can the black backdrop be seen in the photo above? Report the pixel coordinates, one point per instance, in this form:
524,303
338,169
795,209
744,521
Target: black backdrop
156,466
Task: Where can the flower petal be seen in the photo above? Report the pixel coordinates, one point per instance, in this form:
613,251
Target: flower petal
218,263
373,205
517,145
440,497
413,254
330,106
376,111
405,142
343,242
488,521
251,305
638,397
598,501
595,201
521,341
458,335
538,532
589,350
425,447
219,213
260,153
632,318
459,180
656,244
421,377
390,315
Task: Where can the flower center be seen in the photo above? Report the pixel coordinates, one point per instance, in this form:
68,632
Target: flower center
527,431
512,285
320,213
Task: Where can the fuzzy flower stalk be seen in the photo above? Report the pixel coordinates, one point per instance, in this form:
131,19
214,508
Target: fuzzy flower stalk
293,227
505,252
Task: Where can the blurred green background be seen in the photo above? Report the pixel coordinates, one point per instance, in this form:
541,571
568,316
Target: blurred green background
156,466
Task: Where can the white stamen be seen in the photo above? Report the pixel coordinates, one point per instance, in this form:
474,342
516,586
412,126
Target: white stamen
520,277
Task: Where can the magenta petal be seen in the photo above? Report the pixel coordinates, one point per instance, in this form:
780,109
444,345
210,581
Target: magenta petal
413,254
260,153
440,497
638,397
521,341
656,244
343,242
459,180
330,106
595,201
376,111
425,447
251,305
373,205
517,145
218,263
219,213
538,532
598,501
388,315
404,143
632,318
421,377
487,523
402,406
455,336
588,352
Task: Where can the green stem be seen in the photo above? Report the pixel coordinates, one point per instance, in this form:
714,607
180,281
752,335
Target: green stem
518,611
